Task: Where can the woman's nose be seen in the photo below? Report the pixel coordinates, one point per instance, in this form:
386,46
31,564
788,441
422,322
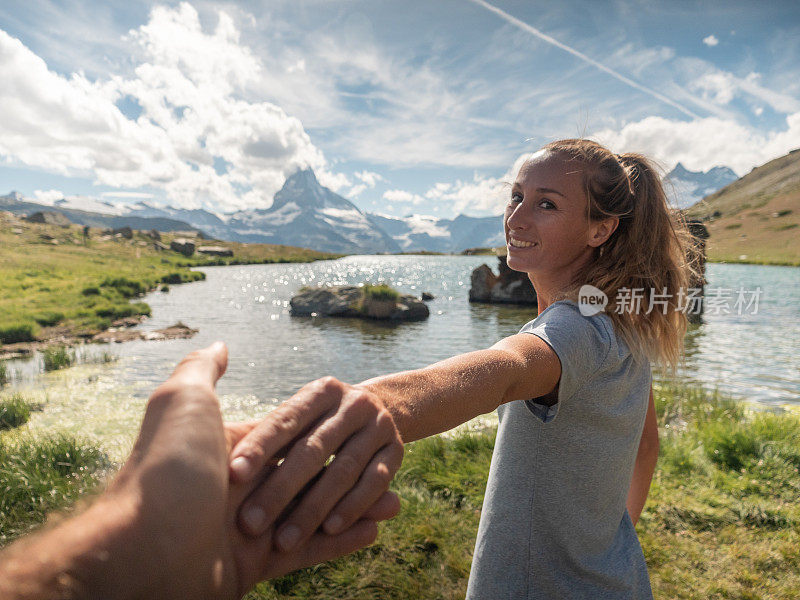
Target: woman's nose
517,219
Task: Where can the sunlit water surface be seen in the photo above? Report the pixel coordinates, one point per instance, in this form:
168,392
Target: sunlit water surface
752,356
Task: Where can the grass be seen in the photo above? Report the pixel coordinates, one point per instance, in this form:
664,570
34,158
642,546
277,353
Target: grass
4,376
40,474
380,291
754,219
79,289
14,411
722,519
57,357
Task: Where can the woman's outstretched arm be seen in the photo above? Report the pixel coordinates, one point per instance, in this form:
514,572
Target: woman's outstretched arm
433,399
416,403
645,463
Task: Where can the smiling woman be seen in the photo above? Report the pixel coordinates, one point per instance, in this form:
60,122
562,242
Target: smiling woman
577,439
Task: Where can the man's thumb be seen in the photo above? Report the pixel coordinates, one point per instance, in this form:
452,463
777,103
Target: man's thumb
203,366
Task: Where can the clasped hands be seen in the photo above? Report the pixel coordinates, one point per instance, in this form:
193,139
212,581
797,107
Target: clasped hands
220,507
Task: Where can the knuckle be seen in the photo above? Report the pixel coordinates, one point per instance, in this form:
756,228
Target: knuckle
385,424
328,384
346,467
284,422
383,475
315,449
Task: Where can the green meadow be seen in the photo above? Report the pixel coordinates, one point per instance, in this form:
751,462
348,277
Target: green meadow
53,282
722,519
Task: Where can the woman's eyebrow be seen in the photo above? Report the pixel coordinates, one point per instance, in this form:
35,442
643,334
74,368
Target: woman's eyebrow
550,191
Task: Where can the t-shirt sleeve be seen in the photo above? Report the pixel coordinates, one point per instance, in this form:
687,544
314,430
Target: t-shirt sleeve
582,344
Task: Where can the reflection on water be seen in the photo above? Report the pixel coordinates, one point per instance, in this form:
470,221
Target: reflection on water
756,357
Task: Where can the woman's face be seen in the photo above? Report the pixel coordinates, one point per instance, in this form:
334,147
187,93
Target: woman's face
546,224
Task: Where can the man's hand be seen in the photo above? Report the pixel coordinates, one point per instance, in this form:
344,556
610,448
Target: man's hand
166,527
324,419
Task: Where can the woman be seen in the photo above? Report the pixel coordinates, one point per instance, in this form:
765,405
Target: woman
577,439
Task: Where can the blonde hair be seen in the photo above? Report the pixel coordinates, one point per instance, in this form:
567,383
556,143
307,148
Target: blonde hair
651,249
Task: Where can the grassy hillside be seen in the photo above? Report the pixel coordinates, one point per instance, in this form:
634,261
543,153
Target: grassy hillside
55,283
757,218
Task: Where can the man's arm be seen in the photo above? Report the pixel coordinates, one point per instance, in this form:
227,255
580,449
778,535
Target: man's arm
645,463
166,527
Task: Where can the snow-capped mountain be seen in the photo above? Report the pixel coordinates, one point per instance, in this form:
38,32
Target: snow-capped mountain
419,232
304,213
687,187
206,221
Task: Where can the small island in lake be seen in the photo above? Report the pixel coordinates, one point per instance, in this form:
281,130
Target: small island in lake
366,302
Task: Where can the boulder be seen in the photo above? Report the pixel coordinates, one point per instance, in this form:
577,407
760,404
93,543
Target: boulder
159,246
349,301
182,246
342,301
154,235
509,287
49,218
123,232
215,251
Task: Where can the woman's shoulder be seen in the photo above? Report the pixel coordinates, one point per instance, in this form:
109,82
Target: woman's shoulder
568,317
586,345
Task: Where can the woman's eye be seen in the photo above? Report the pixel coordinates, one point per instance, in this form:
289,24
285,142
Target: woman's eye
547,204
516,197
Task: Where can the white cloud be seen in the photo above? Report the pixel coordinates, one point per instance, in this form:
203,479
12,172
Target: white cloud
48,196
721,87
139,195
370,178
481,196
711,40
191,86
402,197
703,143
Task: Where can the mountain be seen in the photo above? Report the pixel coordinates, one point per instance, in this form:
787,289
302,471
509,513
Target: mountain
17,204
756,218
687,187
304,213
418,232
201,219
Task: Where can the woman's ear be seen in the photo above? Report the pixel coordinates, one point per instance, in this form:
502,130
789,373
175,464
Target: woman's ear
600,231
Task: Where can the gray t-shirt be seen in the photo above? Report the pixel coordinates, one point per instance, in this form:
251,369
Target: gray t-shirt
554,523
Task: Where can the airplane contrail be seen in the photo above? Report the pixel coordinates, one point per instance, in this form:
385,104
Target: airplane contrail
550,40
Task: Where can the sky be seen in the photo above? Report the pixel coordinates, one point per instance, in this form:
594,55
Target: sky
413,107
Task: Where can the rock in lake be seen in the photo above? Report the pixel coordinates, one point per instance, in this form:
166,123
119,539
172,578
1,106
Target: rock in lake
510,287
349,301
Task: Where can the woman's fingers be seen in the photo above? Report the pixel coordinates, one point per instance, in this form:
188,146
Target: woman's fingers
342,474
330,417
387,507
304,461
322,547
281,427
372,485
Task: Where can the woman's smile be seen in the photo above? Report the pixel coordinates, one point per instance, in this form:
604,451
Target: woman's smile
519,244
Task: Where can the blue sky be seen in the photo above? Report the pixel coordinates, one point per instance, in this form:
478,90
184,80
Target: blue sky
403,107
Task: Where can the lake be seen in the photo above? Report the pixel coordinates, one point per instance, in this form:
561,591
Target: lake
755,357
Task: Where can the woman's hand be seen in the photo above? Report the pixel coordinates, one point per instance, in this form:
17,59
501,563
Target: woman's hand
325,418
